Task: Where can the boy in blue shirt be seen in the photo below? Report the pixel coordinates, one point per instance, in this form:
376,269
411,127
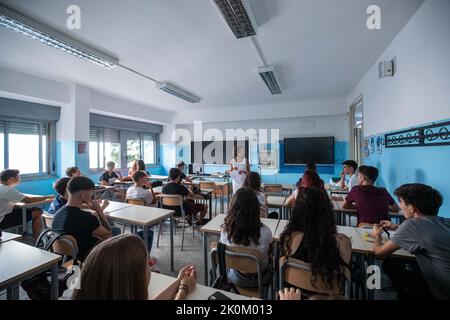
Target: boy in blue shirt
60,201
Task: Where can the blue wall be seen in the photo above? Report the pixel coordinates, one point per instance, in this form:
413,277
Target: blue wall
428,165
285,174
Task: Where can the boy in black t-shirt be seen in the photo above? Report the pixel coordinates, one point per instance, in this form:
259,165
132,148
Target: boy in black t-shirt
87,228
108,178
190,207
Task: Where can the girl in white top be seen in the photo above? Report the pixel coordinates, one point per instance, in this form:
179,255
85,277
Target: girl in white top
253,181
239,169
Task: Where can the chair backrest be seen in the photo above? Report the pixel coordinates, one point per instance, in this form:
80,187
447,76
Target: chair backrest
207,185
67,246
365,225
47,220
138,202
172,200
274,189
298,273
244,260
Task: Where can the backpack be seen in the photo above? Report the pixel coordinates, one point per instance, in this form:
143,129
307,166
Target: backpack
39,286
222,282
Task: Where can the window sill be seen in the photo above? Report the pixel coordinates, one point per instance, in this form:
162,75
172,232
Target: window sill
38,178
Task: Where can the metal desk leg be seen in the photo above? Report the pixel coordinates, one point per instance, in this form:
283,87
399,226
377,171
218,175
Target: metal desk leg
24,221
205,256
145,236
172,268
55,288
210,206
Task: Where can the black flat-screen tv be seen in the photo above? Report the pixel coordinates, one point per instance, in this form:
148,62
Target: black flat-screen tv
301,150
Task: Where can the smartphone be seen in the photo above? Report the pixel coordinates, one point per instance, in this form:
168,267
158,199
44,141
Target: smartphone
218,296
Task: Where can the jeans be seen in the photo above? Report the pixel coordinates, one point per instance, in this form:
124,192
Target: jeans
251,280
150,238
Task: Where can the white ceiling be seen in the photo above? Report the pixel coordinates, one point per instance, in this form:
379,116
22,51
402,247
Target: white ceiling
321,48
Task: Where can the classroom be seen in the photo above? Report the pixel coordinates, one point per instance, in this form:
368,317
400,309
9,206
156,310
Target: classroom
224,150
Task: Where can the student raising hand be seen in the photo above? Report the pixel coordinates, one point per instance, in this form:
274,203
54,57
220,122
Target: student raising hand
290,294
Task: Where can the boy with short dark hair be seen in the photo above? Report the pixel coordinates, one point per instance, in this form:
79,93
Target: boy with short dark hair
87,228
372,203
182,166
108,177
423,234
9,195
190,207
140,188
349,169
60,200
73,172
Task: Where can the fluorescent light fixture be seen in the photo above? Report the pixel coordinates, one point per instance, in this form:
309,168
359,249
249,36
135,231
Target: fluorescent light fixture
30,28
267,74
177,92
238,14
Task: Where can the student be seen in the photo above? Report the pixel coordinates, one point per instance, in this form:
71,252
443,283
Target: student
62,196
349,169
239,168
108,178
73,172
373,204
311,236
182,167
253,181
117,269
141,188
133,168
423,234
87,228
191,209
308,180
9,195
311,166
243,228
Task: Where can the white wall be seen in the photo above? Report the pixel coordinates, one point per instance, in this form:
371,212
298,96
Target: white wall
336,126
420,90
271,111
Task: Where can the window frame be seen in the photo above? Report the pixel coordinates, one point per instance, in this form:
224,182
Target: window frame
123,134
50,148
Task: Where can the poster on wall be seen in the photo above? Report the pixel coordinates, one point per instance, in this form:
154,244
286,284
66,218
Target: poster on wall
366,147
82,147
380,142
372,144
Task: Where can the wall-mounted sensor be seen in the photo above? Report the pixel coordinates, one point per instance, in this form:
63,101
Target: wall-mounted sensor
386,69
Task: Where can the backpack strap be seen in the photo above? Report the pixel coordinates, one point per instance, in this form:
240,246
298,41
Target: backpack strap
221,258
52,239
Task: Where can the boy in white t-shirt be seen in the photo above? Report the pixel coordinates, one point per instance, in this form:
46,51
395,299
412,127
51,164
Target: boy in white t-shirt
141,188
9,196
350,168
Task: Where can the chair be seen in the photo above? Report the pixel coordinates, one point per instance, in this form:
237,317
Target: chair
171,200
273,189
244,260
210,185
67,246
138,202
46,220
298,273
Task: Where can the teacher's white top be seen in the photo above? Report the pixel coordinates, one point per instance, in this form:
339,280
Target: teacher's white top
237,178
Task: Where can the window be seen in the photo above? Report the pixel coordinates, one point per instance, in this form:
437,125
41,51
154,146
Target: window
104,146
149,148
107,145
25,146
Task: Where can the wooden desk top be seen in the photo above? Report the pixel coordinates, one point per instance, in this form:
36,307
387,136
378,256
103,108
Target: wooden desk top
158,177
141,215
157,189
19,261
6,236
159,282
218,183
275,201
